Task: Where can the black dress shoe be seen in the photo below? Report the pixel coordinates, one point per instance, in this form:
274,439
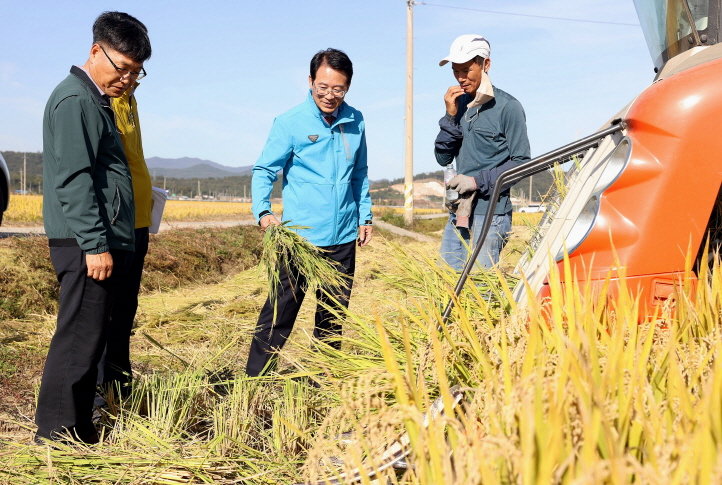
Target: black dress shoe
67,438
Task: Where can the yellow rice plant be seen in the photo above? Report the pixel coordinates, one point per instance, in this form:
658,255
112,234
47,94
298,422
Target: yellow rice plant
417,210
28,209
529,219
585,396
196,210
24,209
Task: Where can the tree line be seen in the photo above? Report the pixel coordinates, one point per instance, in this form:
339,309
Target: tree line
218,187
239,186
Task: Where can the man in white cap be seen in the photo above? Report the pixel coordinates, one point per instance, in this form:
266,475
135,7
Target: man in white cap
485,130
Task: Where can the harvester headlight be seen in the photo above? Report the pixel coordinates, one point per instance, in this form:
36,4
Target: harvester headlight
611,167
581,227
614,165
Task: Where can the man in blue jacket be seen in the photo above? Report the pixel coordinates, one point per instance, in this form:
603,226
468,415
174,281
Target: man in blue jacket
484,128
321,147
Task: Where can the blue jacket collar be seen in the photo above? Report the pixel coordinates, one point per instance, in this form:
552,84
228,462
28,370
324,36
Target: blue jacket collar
345,113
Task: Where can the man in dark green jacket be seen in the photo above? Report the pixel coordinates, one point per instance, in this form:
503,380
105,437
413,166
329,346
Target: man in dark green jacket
89,219
484,128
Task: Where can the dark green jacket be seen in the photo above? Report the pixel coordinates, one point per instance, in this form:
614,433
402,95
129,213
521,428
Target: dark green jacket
486,141
87,190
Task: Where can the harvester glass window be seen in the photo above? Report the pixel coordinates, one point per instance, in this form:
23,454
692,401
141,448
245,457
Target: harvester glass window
698,9
700,13
667,25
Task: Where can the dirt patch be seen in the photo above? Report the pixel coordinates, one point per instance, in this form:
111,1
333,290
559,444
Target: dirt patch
22,355
27,280
199,256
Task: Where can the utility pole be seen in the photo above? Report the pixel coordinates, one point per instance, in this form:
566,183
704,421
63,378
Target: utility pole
409,152
25,173
164,177
531,177
199,190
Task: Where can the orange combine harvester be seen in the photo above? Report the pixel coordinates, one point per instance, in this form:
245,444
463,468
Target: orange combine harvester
645,190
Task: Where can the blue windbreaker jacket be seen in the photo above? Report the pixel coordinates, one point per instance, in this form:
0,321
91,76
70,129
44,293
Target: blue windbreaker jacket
325,173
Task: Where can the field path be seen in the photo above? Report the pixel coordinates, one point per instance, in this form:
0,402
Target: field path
405,232
8,231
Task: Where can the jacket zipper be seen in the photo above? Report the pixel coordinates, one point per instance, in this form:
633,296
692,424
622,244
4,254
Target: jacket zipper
346,147
116,210
335,192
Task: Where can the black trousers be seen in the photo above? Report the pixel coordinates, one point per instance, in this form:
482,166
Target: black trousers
114,368
270,336
67,388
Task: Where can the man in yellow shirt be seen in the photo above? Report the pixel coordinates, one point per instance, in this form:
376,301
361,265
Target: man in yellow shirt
114,367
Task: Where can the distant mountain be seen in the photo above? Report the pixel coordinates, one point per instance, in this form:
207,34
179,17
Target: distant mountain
201,171
188,167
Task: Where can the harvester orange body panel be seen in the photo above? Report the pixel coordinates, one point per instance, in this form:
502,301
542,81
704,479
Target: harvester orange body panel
643,198
656,212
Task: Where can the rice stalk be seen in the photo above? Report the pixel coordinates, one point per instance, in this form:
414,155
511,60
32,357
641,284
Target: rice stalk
283,249
585,395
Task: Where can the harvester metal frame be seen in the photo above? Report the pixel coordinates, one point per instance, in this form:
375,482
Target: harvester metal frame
514,175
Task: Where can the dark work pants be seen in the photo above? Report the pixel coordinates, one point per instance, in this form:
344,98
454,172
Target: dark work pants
67,388
270,338
114,366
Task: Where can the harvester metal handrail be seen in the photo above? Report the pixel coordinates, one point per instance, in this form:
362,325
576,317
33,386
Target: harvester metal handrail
512,176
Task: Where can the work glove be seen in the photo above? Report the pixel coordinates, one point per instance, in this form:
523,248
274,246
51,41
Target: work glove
463,211
463,184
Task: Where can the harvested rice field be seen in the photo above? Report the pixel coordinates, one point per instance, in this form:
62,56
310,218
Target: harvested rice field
586,395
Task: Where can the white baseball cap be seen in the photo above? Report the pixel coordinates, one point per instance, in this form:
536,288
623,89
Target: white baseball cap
466,47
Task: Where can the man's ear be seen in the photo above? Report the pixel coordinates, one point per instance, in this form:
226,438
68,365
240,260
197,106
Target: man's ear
94,50
487,64
310,83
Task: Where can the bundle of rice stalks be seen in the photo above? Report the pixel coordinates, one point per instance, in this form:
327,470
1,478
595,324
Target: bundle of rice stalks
284,250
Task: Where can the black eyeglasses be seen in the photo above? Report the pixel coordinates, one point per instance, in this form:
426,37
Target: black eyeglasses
125,72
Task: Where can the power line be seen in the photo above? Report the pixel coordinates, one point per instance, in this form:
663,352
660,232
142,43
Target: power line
547,17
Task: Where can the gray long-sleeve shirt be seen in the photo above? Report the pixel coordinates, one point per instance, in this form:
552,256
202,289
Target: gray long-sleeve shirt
485,140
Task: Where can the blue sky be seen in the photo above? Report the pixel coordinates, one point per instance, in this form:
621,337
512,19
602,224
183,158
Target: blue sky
221,70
